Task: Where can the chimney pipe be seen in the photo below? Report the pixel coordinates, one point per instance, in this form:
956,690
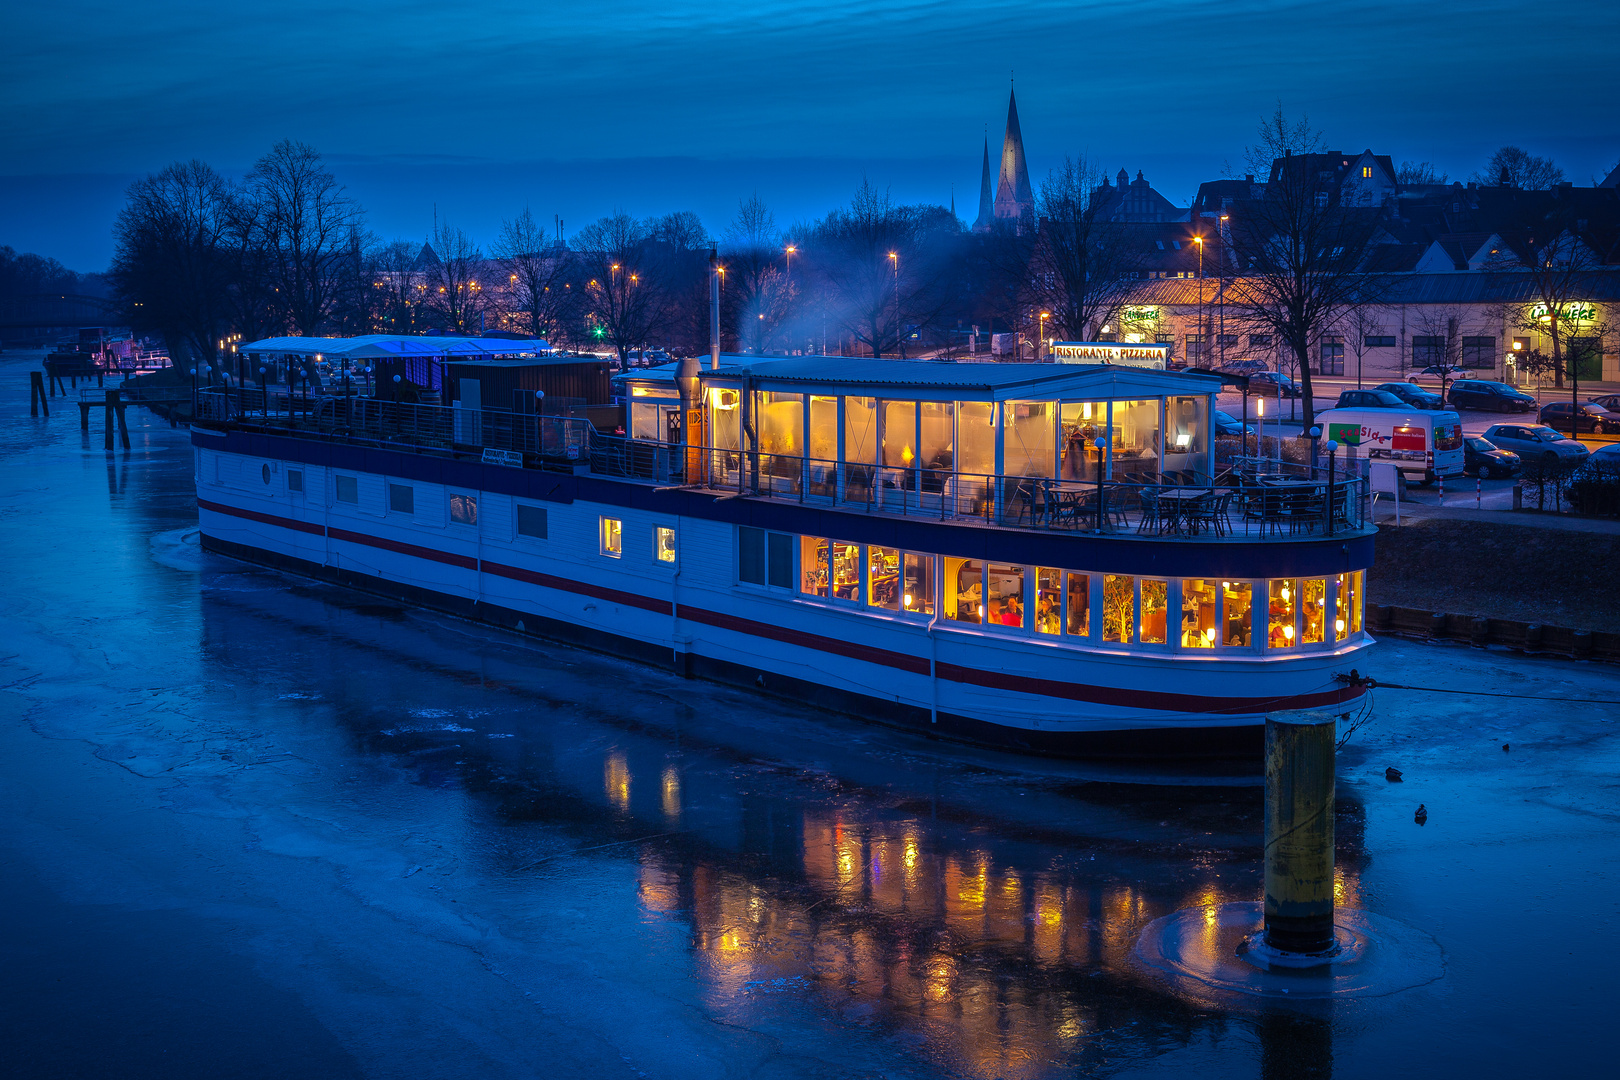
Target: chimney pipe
714,309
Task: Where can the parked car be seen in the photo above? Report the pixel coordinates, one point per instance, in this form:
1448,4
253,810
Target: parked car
1608,401
1588,417
1484,459
1268,383
1443,371
1368,399
1242,367
1413,394
1603,464
1488,395
1227,424
1538,442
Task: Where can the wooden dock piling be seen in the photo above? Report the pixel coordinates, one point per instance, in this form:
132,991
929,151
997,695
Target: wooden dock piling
37,399
1299,831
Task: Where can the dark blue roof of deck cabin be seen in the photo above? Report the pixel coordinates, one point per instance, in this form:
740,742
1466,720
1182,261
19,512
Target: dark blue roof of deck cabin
989,380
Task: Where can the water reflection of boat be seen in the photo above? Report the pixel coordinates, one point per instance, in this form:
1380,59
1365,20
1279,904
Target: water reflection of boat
929,545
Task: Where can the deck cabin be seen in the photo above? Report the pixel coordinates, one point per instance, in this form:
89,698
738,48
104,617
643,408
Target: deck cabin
879,430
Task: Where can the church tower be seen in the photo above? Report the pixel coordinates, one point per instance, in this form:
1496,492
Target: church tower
987,195
1015,202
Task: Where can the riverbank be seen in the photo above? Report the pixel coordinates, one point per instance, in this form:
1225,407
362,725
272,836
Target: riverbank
1522,572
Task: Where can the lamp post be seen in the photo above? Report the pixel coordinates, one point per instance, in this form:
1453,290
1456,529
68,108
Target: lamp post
1042,339
194,393
1220,291
264,392
1203,331
791,250
1101,445
899,332
1315,433
1332,449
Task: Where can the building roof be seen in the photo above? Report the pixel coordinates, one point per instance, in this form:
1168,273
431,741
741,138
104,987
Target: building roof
928,379
383,346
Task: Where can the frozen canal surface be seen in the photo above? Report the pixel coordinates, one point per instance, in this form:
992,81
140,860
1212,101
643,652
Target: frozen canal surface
258,827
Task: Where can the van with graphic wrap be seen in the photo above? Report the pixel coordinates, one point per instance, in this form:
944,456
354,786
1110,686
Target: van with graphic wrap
1424,445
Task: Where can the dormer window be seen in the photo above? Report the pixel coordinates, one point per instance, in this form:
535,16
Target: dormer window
1366,172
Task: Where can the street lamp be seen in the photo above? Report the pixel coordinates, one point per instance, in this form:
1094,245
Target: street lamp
791,250
1100,444
1042,339
899,333
1332,449
1220,291
1202,329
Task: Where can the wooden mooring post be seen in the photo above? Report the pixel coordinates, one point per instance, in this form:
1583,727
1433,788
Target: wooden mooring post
114,414
37,399
1299,831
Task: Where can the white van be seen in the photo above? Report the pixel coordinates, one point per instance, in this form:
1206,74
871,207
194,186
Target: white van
1424,445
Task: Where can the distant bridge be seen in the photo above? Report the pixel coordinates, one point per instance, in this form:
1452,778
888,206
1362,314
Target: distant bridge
55,311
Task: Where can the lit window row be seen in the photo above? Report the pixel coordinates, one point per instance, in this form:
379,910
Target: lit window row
1109,609
610,538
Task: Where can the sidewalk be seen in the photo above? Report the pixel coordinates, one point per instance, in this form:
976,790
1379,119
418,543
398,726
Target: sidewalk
1384,515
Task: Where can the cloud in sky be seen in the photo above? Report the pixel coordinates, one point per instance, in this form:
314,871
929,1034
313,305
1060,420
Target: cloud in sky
100,87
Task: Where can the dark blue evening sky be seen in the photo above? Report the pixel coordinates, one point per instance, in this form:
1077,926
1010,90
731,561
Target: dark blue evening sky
653,105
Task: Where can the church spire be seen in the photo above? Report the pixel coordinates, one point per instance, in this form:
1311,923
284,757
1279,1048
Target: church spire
987,194
1015,202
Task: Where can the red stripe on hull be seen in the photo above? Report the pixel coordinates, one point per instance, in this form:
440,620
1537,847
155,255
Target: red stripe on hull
266,519
600,592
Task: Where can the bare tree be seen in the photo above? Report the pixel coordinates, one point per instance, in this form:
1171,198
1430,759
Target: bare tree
172,263
455,293
308,222
1543,253
400,295
1361,321
758,298
1513,167
887,269
625,292
535,268
1303,255
1083,268
1418,172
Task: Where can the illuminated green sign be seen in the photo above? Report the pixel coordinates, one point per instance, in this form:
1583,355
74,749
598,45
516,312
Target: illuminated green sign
1579,311
1139,314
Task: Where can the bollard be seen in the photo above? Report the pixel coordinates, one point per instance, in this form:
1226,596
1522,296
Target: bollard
1478,491
1442,491
1299,831
1437,624
1518,496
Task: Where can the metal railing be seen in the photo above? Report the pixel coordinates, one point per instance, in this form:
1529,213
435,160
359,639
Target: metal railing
405,425
1175,505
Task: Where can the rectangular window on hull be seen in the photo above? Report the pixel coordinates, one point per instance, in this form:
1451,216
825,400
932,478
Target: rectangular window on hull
883,578
346,489
1237,599
964,590
1198,604
1048,600
1313,611
1119,608
1155,611
764,558
1004,595
1078,606
1347,617
664,543
1283,599
813,565
918,598
464,509
295,480
610,532
401,499
531,521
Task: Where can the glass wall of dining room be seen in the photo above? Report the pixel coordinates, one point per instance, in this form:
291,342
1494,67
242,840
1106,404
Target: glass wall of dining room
1145,441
